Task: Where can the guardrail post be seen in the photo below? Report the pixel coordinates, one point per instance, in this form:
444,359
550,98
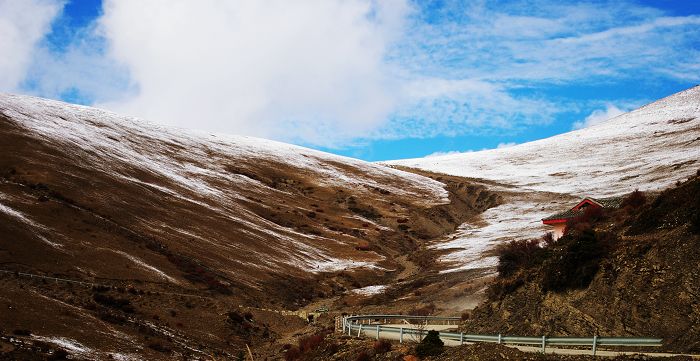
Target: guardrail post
461,338
377,332
595,341
400,334
359,331
544,343
500,339
349,328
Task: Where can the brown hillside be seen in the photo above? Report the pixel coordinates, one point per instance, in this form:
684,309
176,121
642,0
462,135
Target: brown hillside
151,211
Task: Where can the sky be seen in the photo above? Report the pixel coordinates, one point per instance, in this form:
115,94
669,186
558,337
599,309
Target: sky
370,79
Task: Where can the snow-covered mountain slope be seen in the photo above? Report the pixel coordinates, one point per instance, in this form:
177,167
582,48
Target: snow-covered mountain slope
88,191
179,229
649,148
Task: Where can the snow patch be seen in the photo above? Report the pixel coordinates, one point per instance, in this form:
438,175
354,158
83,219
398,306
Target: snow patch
67,344
336,264
35,226
370,290
146,266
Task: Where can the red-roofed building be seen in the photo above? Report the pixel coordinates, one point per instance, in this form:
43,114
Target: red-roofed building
561,219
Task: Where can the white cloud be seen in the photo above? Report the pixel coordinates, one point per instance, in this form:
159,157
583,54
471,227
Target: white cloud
451,152
598,116
312,70
23,23
506,145
81,68
440,154
555,42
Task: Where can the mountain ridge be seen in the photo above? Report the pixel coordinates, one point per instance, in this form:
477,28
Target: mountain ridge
649,148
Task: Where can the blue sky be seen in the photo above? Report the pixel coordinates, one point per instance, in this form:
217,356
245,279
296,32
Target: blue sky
372,80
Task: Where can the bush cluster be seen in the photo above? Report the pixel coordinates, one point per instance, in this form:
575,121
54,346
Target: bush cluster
574,262
635,199
516,255
431,345
306,345
382,346
112,302
568,263
426,310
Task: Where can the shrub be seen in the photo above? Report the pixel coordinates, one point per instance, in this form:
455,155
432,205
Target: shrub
516,255
117,303
235,317
695,221
635,199
293,353
502,287
382,346
309,343
112,318
59,354
362,356
431,345
22,332
362,246
333,348
99,288
426,310
548,239
592,214
159,346
574,263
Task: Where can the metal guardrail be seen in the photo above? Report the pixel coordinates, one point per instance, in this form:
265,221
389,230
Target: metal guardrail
359,324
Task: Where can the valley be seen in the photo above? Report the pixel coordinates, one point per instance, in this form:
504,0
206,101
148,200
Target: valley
183,241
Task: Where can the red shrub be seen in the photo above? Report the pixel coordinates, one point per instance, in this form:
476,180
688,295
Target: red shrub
382,346
362,246
292,354
309,343
363,356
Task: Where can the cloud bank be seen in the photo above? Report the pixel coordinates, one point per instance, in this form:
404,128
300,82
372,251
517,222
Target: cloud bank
335,72
598,116
310,70
23,23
